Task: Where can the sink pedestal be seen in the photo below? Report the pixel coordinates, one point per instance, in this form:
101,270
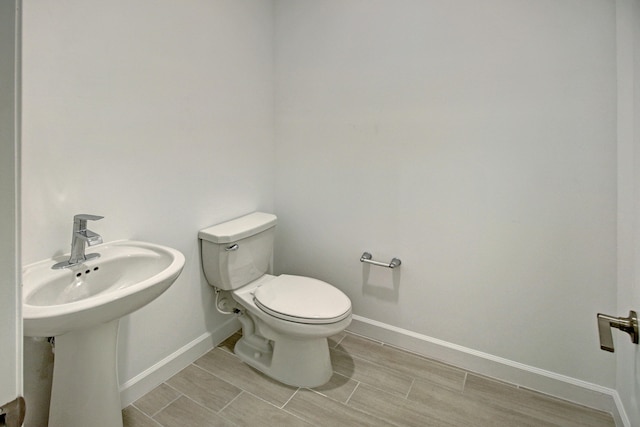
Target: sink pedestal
80,306
85,389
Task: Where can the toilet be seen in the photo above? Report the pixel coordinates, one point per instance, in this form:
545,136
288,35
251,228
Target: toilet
285,319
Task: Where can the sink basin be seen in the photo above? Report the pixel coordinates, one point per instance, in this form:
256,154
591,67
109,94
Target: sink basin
127,276
81,307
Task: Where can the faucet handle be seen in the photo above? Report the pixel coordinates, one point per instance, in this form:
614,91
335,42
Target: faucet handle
80,221
86,217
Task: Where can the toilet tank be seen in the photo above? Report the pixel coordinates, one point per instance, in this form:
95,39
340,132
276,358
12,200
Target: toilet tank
237,252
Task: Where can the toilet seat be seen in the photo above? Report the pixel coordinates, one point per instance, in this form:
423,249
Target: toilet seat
302,300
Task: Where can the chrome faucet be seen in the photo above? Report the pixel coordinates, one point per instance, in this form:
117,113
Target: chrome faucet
79,237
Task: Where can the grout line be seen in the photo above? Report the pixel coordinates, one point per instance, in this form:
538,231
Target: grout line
224,349
200,404
286,411
340,340
151,419
216,375
413,381
346,402
379,364
209,372
464,382
211,410
289,399
165,406
266,401
231,401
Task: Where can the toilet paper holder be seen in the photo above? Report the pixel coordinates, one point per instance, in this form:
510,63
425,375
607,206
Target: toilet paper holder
626,324
368,258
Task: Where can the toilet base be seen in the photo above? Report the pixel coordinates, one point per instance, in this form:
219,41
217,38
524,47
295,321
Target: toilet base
293,361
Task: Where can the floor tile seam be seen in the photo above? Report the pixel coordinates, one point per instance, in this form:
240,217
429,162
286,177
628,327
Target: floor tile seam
412,353
464,382
323,394
239,386
346,402
395,372
373,363
151,420
356,408
560,414
225,350
378,389
165,406
155,423
150,417
231,401
421,356
407,405
282,408
300,417
268,402
288,400
403,372
340,340
203,368
218,377
520,410
417,356
561,400
413,381
207,409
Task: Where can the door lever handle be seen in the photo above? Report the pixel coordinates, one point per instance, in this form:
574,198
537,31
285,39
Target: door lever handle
625,324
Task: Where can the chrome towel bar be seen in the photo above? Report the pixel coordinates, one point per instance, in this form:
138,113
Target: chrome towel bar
366,257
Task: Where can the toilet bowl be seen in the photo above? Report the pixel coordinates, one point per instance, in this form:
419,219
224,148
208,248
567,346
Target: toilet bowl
285,319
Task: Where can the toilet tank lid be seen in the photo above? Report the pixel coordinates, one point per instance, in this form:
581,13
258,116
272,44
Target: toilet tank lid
239,228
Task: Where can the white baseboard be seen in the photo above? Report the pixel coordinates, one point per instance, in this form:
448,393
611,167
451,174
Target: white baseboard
561,386
152,377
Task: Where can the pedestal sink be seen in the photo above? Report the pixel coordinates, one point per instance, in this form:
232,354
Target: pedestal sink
80,306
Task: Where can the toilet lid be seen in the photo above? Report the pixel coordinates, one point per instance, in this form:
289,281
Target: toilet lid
302,299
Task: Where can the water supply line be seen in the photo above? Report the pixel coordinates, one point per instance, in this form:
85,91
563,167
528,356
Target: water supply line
222,304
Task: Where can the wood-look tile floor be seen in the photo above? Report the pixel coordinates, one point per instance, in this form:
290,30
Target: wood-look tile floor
373,385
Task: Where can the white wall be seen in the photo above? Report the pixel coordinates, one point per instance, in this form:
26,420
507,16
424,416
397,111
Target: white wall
10,326
474,140
158,116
